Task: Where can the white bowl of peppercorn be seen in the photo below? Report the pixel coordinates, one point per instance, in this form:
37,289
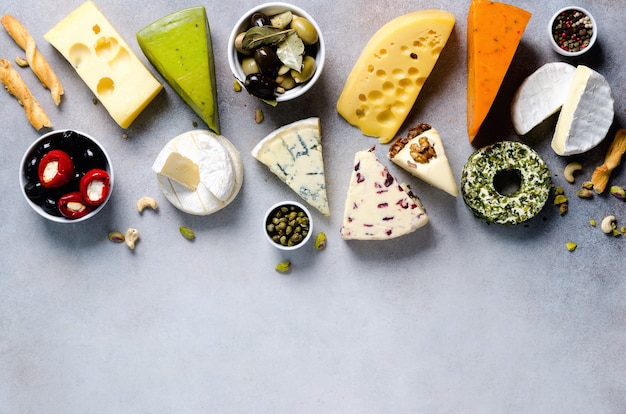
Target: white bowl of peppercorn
573,31
66,176
288,225
276,51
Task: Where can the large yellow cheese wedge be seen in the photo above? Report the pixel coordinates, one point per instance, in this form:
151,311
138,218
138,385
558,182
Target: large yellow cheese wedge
494,31
390,72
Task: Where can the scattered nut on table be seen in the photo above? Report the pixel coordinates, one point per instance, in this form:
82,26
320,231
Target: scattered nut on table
144,202
608,224
132,235
570,169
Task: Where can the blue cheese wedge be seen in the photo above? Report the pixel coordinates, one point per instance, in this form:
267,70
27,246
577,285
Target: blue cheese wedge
541,95
105,62
586,115
199,172
294,154
377,206
422,154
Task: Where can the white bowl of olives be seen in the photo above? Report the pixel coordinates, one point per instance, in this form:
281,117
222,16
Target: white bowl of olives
276,51
66,176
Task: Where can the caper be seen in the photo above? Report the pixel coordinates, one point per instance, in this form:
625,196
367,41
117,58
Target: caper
308,69
305,30
249,66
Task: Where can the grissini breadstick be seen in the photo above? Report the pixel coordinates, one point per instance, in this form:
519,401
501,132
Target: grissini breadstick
602,173
16,87
35,59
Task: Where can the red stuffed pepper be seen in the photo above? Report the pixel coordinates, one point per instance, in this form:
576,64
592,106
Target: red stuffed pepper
95,186
55,169
72,205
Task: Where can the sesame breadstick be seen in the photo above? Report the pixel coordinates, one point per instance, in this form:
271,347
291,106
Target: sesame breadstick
35,60
16,87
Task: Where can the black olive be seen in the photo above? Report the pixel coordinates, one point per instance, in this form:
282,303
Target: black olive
30,169
45,147
261,86
50,206
87,158
267,60
260,19
70,141
35,191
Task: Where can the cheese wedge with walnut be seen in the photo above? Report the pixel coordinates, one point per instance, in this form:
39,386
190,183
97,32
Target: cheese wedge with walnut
422,154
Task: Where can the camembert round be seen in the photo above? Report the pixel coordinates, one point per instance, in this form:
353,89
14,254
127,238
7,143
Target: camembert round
199,172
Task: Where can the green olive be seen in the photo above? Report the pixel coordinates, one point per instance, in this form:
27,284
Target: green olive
239,44
305,30
308,69
249,66
286,81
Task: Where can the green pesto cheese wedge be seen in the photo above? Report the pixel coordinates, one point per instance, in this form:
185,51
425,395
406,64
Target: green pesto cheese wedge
179,47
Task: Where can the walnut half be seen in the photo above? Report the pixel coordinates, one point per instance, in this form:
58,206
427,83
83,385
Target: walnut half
422,152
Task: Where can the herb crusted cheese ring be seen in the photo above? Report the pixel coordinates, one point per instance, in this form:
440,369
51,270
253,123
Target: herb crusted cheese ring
488,167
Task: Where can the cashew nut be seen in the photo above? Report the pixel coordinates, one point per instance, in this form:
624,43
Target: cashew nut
146,202
570,169
608,224
132,235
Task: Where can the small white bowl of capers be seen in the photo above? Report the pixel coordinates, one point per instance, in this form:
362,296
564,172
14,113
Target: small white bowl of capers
276,51
288,225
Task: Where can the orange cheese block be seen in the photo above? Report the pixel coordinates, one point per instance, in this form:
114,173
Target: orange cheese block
494,31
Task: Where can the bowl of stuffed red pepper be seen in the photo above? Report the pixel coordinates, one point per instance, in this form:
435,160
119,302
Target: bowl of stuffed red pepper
66,176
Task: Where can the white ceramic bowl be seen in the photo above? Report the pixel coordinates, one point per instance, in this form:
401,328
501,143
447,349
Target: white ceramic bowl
53,140
270,9
562,51
271,212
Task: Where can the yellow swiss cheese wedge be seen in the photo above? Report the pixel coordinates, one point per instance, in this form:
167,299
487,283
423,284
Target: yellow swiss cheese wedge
390,72
494,31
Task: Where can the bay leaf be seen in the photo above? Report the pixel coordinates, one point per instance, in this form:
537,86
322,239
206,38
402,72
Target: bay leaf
290,52
263,36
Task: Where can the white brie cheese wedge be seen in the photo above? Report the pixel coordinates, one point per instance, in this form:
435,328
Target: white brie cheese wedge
435,171
541,95
586,115
220,171
294,154
378,207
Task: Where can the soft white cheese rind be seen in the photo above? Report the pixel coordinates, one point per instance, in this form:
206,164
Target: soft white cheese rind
294,154
540,95
377,207
586,115
436,171
221,172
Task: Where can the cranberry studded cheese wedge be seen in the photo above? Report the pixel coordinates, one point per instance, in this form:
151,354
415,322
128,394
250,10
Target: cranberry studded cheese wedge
422,154
390,72
294,154
494,31
586,115
377,206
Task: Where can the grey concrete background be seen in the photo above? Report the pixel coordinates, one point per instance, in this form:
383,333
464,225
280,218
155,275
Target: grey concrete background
458,317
